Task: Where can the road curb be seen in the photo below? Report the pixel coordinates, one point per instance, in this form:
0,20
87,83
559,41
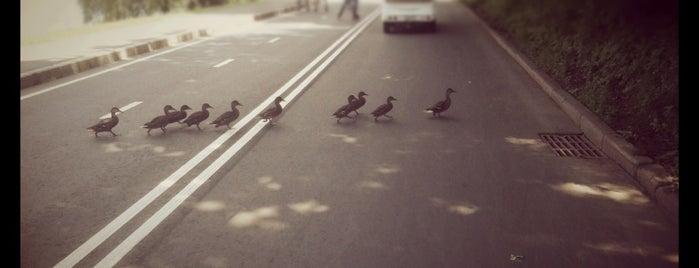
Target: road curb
50,73
65,69
655,181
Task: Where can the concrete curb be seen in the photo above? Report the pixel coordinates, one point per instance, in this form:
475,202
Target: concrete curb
269,14
65,69
62,70
653,178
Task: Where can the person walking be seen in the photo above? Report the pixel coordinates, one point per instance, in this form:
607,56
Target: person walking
351,4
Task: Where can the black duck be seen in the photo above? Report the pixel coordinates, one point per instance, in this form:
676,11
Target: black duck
383,109
196,117
106,125
228,117
359,102
160,121
179,115
272,112
345,109
442,105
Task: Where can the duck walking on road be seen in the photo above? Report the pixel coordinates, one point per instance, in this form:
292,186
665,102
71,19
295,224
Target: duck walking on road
359,102
179,115
345,109
106,125
442,105
199,116
273,112
383,109
160,121
228,117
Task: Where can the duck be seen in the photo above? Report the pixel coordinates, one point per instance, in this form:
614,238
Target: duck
383,109
442,105
106,125
228,117
358,103
270,113
160,121
345,109
196,117
179,115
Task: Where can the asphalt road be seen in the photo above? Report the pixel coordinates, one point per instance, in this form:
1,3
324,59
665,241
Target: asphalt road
467,190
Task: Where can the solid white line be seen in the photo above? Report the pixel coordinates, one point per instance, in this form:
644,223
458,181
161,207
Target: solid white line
274,40
97,239
317,71
132,240
115,255
223,63
123,109
108,70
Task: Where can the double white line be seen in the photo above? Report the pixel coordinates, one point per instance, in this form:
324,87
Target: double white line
139,234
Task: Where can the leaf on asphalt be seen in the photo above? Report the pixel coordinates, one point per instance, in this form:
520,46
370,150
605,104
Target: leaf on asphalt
516,258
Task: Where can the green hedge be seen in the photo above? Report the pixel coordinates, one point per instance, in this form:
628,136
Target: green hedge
617,57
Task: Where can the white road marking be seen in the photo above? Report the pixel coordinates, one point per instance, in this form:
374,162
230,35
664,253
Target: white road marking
93,242
274,40
123,109
132,240
223,63
21,98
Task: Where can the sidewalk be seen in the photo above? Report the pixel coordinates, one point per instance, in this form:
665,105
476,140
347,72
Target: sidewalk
62,57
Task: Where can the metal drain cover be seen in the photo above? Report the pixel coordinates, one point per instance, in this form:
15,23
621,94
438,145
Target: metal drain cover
571,145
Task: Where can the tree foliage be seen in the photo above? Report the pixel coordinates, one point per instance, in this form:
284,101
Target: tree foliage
620,58
114,10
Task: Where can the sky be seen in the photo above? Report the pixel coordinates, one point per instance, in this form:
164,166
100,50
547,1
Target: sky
39,17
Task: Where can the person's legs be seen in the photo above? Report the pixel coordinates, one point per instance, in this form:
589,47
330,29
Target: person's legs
342,9
355,6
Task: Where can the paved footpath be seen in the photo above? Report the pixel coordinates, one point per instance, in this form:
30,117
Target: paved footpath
75,53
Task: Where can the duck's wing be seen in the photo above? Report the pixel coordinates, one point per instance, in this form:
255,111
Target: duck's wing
222,117
360,102
382,109
437,106
271,112
195,117
176,116
341,111
156,122
101,124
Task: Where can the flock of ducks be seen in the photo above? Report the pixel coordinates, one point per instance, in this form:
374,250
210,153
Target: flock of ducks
171,115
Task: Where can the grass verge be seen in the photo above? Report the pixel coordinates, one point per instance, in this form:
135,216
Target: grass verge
617,57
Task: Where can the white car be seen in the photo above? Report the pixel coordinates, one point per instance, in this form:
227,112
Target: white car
408,14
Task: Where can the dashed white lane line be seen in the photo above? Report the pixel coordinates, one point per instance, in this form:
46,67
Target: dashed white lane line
274,40
123,109
93,242
224,63
21,98
132,240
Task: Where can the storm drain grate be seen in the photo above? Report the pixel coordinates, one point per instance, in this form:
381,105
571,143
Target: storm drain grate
571,145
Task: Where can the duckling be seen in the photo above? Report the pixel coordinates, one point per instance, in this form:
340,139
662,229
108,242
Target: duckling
272,112
345,109
177,116
442,105
106,125
228,117
384,108
359,102
160,121
196,117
